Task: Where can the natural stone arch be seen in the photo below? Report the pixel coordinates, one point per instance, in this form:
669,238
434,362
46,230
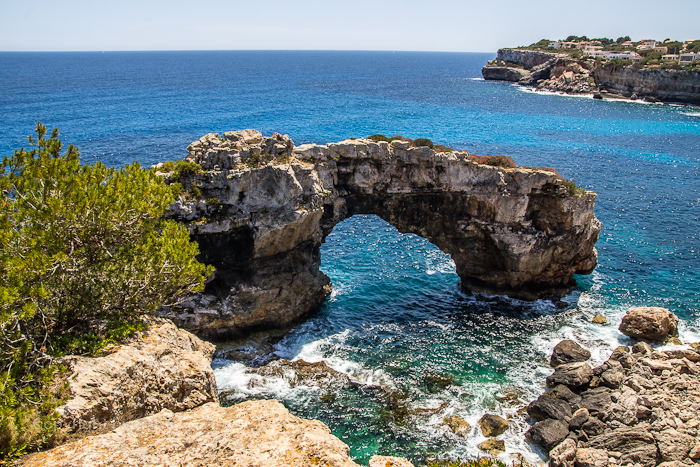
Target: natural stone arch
264,207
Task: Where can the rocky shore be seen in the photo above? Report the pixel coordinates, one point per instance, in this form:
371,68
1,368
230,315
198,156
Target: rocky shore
260,207
639,408
561,73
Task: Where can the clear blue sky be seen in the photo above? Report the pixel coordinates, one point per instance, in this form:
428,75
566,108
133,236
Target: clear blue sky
438,25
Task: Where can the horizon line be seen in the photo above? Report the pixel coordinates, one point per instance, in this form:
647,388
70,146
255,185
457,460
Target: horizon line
241,50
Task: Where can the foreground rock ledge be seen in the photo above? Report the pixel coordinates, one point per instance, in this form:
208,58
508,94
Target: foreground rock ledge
255,433
262,207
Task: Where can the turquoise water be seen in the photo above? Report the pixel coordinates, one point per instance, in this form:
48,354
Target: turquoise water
397,315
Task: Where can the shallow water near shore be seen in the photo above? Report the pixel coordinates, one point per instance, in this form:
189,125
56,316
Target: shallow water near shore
397,319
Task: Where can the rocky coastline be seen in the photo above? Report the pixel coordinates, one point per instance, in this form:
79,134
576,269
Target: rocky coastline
561,73
260,207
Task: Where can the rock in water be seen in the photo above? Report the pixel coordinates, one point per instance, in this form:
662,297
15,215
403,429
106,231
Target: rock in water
493,425
568,351
493,446
161,368
599,319
261,208
547,433
254,433
458,425
652,324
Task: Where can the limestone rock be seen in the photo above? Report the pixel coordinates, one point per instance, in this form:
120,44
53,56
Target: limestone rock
492,425
251,434
649,323
547,406
636,444
564,454
674,446
586,457
598,318
262,208
579,418
572,375
458,425
493,446
596,401
389,461
547,433
162,368
568,351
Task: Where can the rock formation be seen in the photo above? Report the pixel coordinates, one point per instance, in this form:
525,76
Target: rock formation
162,368
261,208
638,408
568,351
250,434
652,324
562,73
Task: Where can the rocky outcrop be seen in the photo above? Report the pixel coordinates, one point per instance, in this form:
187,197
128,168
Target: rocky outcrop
492,425
562,73
262,207
568,351
250,434
653,324
664,85
639,407
161,368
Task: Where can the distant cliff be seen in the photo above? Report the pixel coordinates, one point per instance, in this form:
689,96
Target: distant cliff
562,73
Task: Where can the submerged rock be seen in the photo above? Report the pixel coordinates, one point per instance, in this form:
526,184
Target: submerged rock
493,446
458,425
492,425
598,318
262,207
652,324
255,433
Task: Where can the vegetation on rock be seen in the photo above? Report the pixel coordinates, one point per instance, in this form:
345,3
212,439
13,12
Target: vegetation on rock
84,254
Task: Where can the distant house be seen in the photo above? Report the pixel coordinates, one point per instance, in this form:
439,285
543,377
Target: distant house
628,44
670,57
592,48
684,59
555,44
648,44
633,56
663,50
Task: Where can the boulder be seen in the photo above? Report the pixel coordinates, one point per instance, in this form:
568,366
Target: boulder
547,433
572,375
651,324
579,418
492,425
547,406
564,393
388,461
493,446
458,425
636,444
161,368
564,454
598,318
254,433
568,351
673,445
596,401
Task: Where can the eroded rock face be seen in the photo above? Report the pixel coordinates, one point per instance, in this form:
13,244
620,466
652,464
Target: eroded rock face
515,231
250,434
162,368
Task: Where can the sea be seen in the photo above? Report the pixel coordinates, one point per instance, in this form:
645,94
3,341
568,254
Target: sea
397,318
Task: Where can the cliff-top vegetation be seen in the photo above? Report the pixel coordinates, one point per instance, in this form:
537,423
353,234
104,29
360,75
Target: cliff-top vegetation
84,255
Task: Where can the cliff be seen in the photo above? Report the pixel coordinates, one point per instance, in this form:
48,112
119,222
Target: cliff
561,73
261,208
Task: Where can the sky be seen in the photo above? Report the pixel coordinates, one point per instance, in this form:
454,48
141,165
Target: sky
406,25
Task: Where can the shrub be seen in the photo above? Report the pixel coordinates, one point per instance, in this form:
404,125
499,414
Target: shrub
423,142
378,137
84,254
495,161
441,148
572,188
181,169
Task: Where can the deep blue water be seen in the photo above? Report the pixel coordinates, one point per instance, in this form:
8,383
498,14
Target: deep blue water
397,312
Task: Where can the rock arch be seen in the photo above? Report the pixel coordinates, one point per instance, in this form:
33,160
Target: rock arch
263,206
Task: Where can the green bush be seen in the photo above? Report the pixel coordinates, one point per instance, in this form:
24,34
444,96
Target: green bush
423,142
84,254
572,188
378,137
181,169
